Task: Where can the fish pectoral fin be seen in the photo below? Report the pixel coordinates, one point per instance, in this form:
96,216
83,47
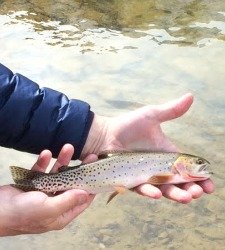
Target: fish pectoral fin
119,190
160,179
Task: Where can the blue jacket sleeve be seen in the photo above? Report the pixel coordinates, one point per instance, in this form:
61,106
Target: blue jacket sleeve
33,118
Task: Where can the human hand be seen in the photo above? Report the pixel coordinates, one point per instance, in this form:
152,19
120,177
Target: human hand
35,212
140,129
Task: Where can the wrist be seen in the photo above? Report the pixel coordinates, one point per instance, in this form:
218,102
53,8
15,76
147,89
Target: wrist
96,140
8,232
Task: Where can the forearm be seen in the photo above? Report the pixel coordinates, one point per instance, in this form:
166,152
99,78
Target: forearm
34,118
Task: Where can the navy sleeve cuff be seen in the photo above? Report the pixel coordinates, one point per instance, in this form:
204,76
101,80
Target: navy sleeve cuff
33,119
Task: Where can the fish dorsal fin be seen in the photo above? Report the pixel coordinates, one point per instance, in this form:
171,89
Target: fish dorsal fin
19,174
66,168
110,153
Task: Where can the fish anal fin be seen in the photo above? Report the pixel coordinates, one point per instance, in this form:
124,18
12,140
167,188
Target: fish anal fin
114,194
119,190
160,179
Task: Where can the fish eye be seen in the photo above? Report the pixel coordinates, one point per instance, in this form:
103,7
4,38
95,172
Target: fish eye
199,161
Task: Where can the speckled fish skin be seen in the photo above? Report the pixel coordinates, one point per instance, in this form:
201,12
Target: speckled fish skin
124,169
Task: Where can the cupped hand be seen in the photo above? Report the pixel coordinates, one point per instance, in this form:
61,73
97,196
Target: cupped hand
141,129
35,212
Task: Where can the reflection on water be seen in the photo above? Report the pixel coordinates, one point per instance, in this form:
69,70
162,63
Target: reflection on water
173,22
136,53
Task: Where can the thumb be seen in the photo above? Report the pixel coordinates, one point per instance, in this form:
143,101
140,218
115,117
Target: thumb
175,108
62,203
67,217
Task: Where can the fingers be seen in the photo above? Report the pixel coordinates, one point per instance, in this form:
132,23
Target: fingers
148,190
188,191
64,157
207,186
193,189
174,109
176,194
42,161
90,158
183,193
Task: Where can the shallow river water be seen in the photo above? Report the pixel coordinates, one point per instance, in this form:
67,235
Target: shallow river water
118,55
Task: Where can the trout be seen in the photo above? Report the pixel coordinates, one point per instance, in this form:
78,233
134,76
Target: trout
117,171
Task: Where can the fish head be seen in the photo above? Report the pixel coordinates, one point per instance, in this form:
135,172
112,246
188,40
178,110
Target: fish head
192,167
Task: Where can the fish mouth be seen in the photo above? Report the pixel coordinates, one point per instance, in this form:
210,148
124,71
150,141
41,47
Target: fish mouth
200,176
202,172
202,168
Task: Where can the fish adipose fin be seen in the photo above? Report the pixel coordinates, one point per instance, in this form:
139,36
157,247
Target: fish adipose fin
119,190
161,179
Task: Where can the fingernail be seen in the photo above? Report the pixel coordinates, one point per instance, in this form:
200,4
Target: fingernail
82,199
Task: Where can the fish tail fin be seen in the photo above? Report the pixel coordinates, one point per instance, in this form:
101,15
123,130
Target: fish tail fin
19,174
24,186
23,178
